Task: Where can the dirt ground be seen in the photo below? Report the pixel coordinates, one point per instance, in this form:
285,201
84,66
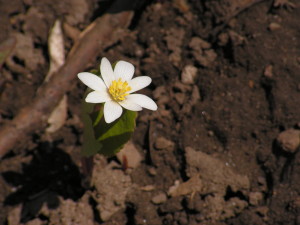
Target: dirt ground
222,147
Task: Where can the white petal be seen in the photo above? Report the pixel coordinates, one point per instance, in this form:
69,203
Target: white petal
106,71
92,81
112,111
142,100
124,70
139,83
97,97
130,105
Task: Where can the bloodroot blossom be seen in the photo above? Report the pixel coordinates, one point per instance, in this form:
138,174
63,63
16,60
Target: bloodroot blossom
116,88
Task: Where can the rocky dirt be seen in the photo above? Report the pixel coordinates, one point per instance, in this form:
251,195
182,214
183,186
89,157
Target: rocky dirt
223,147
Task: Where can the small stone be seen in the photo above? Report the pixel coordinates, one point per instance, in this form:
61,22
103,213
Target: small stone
174,187
274,26
198,43
163,143
262,184
255,198
165,113
236,38
181,87
180,98
251,84
139,52
206,58
262,211
289,140
182,5
261,180
268,72
148,188
189,74
163,100
210,133
159,91
152,171
159,199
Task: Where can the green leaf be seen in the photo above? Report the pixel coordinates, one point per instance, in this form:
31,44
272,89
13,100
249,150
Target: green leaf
114,135
90,144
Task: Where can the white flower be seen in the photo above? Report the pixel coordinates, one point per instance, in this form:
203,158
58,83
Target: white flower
115,89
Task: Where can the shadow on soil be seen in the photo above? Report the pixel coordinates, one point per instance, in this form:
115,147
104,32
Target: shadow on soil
50,174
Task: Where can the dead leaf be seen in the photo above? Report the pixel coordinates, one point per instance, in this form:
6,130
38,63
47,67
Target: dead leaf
58,116
56,49
129,155
57,59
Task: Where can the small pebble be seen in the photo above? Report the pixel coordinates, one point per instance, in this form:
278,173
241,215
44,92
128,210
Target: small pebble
262,211
255,198
148,188
180,98
197,43
268,71
289,140
159,199
210,133
163,143
159,91
261,180
152,171
189,74
274,26
236,38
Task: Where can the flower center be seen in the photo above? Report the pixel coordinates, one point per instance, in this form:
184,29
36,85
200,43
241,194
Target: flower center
118,90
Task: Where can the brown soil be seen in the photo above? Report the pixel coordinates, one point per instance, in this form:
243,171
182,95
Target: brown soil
221,149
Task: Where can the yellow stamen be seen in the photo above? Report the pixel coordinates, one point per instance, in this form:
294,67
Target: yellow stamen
118,90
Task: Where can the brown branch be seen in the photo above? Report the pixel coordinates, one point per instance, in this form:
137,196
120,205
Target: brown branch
102,33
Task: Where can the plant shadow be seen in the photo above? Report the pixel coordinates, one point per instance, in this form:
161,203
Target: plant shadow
50,174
